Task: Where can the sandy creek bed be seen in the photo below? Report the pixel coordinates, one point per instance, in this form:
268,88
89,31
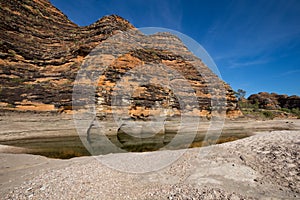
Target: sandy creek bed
265,165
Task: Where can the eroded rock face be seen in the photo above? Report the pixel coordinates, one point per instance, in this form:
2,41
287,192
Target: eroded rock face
41,52
274,101
158,75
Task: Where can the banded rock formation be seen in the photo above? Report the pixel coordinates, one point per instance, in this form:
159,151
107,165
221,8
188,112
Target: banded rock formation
41,52
273,101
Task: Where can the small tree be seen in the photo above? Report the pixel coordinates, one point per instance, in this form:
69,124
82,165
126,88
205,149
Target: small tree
240,94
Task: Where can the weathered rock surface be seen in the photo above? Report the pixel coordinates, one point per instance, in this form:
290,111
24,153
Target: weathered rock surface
41,51
274,101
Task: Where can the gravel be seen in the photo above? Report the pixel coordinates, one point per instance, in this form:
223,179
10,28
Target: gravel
264,166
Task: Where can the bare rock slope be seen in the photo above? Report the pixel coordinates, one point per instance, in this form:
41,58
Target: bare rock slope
41,51
275,101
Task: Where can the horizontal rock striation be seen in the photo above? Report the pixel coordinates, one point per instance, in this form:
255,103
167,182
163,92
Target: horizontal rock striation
41,51
274,101
157,75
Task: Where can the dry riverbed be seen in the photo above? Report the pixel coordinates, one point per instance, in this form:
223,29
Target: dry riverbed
263,166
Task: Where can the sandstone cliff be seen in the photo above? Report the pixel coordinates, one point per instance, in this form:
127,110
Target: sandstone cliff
41,52
274,101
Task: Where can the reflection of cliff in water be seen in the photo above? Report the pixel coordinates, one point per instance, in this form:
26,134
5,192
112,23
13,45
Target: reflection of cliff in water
142,136
139,136
69,147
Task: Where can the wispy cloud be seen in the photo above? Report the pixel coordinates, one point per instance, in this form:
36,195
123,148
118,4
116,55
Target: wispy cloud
165,15
238,64
252,30
290,72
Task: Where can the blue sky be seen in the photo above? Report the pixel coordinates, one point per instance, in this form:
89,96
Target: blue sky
255,44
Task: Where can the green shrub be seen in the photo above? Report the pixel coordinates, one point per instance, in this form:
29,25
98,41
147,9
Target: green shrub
12,53
285,110
17,80
247,105
11,105
29,87
296,111
268,114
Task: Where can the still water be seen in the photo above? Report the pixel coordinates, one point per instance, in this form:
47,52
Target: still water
72,146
